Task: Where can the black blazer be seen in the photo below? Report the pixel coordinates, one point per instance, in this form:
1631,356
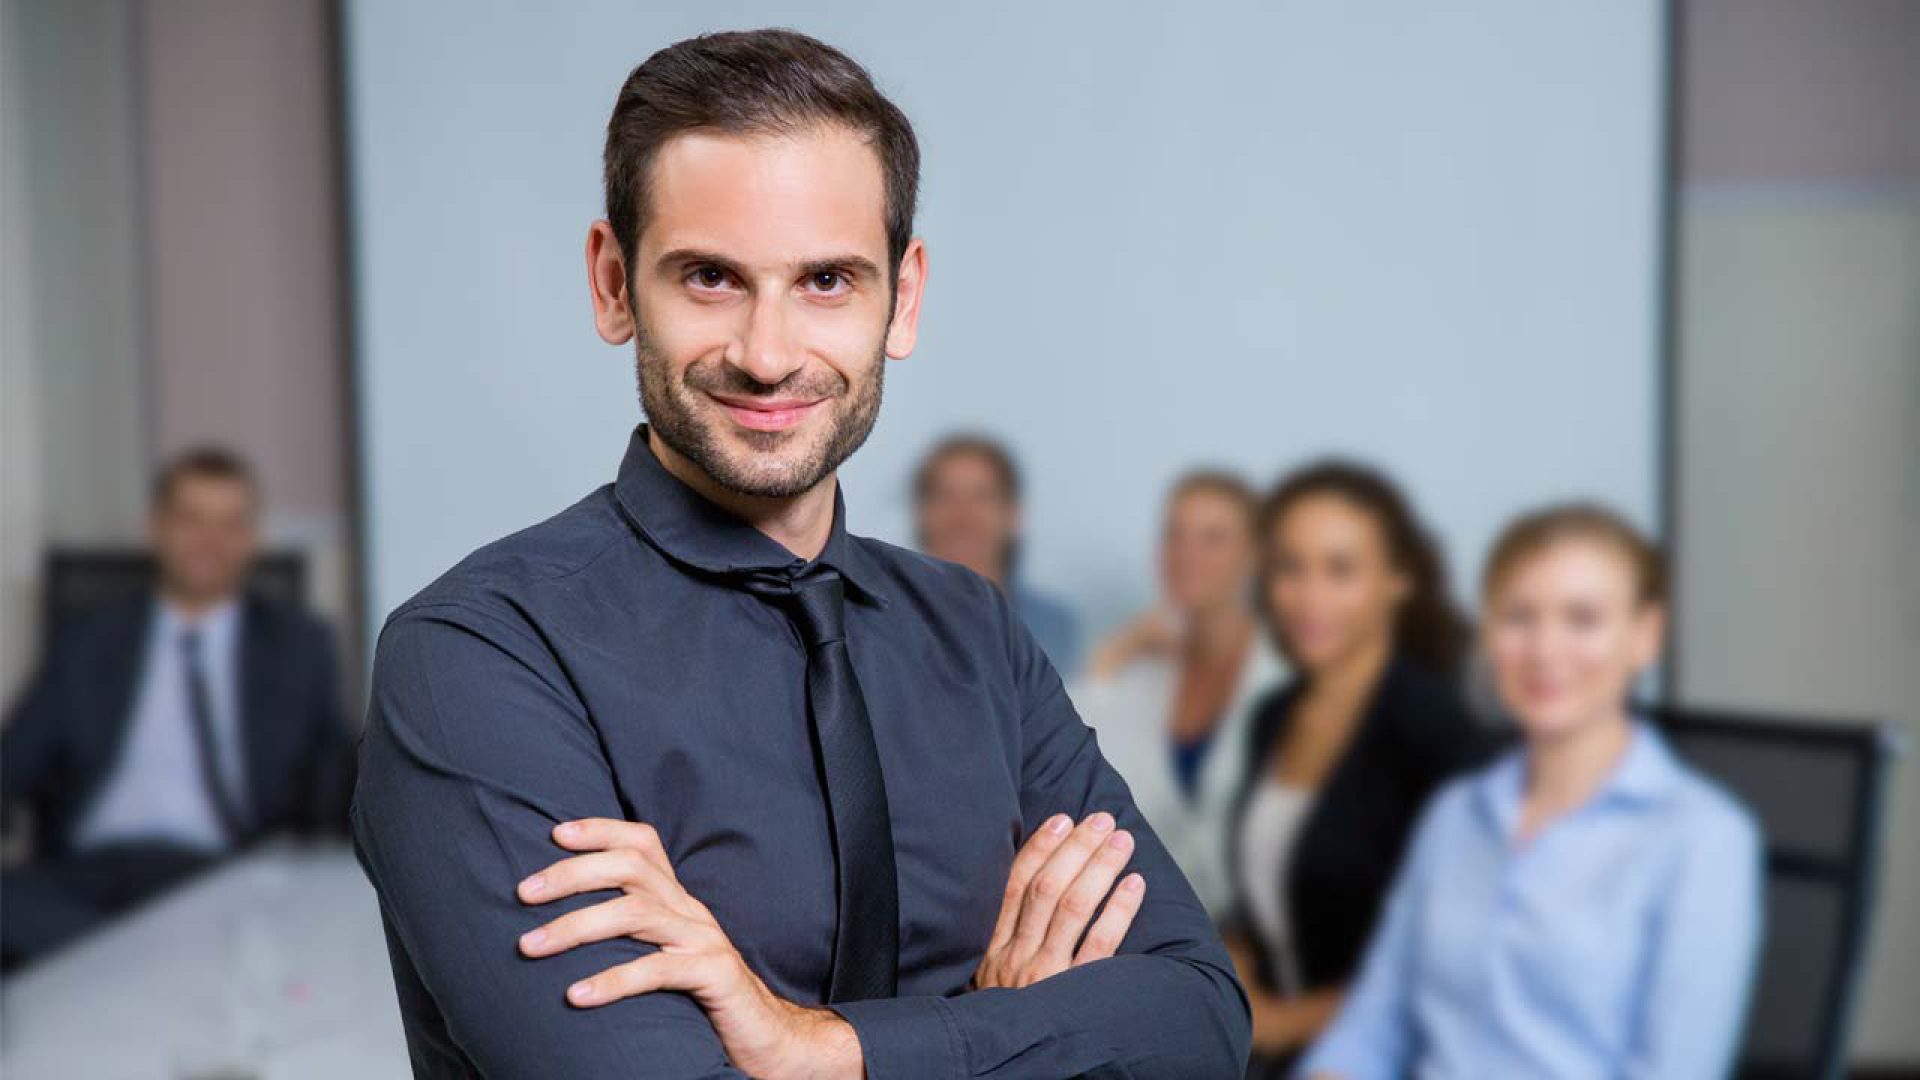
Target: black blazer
1415,733
63,735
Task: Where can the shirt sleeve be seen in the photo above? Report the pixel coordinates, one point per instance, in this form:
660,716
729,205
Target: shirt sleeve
1371,1037
475,747
1166,1005
1706,939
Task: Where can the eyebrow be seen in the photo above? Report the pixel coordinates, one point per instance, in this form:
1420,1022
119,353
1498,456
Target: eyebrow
860,265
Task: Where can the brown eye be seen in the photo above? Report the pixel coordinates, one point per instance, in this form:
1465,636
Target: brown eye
825,281
710,277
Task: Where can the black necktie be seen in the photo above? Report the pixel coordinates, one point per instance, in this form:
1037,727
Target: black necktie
866,943
200,707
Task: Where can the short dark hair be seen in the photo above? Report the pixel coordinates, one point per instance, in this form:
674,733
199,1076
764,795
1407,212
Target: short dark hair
204,462
748,82
987,449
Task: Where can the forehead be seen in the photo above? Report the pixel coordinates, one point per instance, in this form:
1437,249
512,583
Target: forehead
768,198
206,489
1574,565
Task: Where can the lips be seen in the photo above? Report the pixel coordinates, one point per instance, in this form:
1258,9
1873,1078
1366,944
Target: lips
767,414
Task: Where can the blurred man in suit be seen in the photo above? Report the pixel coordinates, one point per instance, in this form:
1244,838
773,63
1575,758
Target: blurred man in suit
966,502
165,732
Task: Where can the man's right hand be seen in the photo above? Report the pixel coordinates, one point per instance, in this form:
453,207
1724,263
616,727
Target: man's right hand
1054,890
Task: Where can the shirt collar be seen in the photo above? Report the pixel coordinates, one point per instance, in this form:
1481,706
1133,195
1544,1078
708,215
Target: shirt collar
216,625
1644,775
694,532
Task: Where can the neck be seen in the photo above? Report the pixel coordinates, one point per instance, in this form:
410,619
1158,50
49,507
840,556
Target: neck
189,604
994,570
1217,633
800,523
1353,676
1564,770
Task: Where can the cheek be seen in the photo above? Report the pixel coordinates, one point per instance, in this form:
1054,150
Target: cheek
1347,603
847,339
1601,658
679,332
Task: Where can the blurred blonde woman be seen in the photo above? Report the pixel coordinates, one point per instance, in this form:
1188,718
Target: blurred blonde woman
1170,693
1588,905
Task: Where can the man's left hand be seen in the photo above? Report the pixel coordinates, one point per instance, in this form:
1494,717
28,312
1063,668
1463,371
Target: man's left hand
764,1034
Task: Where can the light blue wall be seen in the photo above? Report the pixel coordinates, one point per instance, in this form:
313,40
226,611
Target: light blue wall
1238,233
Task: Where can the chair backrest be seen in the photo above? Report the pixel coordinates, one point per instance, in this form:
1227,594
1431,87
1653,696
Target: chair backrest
1818,790
79,579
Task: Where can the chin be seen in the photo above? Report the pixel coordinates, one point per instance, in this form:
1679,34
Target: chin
1551,720
781,471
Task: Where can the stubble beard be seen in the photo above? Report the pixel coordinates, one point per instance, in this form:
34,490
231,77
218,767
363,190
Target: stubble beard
674,412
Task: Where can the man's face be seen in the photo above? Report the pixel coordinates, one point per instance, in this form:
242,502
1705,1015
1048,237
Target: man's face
967,515
762,304
205,536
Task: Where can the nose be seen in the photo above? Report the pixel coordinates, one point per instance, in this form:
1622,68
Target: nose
765,349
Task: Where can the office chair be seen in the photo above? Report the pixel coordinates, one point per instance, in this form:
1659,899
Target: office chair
79,579
1818,790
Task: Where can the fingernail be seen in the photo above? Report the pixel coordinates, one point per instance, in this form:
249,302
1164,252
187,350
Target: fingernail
1120,841
567,828
1102,822
534,885
1058,823
580,993
1134,883
533,939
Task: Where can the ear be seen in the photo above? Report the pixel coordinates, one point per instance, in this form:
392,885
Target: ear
1649,632
607,283
904,330
1402,588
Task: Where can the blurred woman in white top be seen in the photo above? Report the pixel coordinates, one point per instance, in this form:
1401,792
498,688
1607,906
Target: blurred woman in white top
1171,692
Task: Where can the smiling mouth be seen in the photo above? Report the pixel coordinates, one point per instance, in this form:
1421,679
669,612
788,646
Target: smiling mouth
757,414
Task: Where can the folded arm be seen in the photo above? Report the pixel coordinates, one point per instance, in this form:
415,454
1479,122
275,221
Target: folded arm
475,748
1167,1006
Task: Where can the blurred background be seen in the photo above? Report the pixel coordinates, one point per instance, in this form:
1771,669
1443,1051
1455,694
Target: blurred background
1664,255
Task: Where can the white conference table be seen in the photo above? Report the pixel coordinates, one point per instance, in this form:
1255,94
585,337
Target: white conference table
270,968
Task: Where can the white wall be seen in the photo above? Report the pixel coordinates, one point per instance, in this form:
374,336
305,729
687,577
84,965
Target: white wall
1242,233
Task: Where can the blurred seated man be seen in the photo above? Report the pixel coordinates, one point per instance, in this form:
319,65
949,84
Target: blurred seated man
167,731
967,511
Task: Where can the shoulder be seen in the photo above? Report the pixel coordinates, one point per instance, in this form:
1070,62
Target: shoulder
1426,711
1417,692
501,579
947,589
101,634
1446,817
104,621
265,614
1040,607
1707,818
1455,799
1271,708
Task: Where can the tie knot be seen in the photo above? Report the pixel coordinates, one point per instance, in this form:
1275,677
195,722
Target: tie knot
190,642
818,602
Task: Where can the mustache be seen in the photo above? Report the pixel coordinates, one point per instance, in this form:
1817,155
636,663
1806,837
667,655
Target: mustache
720,377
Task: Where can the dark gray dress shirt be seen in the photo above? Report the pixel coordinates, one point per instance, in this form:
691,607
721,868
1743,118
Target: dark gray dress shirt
601,664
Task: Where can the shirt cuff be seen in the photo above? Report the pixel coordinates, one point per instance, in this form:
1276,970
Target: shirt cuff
911,1038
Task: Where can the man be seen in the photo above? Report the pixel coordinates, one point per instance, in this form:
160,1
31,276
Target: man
819,792
966,501
164,733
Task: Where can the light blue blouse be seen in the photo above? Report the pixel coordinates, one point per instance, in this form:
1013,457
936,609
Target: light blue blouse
1618,942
